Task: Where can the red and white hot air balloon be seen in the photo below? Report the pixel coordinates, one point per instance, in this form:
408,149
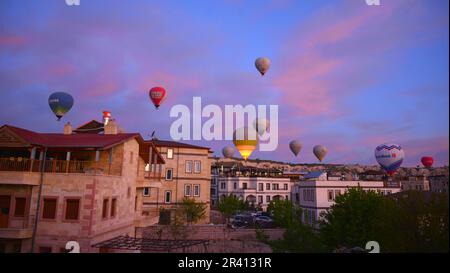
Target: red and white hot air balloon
157,95
427,161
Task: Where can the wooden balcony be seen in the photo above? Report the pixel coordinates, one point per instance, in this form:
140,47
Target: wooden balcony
60,166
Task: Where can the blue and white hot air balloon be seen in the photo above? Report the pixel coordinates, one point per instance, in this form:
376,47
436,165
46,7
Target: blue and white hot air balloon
390,157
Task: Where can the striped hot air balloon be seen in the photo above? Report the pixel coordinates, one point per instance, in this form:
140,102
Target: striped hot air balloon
390,157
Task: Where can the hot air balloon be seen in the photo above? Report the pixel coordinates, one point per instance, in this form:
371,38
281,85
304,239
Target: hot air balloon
262,64
245,139
427,161
295,146
228,152
390,157
320,152
261,125
157,95
60,103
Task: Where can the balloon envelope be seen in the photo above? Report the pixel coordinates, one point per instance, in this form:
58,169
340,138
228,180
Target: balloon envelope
295,146
261,125
245,139
389,156
262,64
427,161
157,95
320,152
228,152
60,103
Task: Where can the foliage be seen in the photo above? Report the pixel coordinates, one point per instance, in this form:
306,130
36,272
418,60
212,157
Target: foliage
192,210
285,213
229,205
352,220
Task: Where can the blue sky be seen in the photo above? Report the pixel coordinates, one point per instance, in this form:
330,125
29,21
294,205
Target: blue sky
344,74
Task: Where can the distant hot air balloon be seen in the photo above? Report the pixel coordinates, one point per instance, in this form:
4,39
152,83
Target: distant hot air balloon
228,152
320,152
262,64
157,95
261,125
390,157
295,146
60,103
427,161
245,139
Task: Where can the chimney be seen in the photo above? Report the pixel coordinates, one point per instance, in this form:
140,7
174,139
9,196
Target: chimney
111,127
68,128
106,117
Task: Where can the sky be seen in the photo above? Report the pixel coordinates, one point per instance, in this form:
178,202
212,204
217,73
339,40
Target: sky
344,74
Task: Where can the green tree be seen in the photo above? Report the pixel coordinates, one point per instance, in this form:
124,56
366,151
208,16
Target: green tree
229,205
285,213
415,221
192,210
353,219
297,237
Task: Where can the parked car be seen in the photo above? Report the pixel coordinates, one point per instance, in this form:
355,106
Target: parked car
264,221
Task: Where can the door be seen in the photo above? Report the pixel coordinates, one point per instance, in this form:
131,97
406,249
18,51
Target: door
5,202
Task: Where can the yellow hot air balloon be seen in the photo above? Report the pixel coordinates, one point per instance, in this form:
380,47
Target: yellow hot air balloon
245,139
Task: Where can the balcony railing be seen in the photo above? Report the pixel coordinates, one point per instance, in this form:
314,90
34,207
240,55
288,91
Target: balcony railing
60,166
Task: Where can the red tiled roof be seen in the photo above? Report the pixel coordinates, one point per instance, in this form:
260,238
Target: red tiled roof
73,140
168,143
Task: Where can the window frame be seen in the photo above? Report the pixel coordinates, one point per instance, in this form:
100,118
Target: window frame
186,164
171,153
186,187
66,199
25,208
196,186
171,174
199,168
43,208
143,192
105,210
113,207
165,197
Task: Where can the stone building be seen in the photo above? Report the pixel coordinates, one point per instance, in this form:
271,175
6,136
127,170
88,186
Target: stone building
90,184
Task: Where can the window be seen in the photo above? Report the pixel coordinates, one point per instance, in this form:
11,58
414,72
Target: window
244,186
197,190
113,207
336,193
19,210
188,166
234,185
169,174
287,197
261,187
268,186
297,197
49,209
105,208
187,190
72,209
146,192
131,157
167,197
213,191
304,195
285,187
330,196
169,153
260,199
274,187
389,192
223,185
267,198
197,166
129,192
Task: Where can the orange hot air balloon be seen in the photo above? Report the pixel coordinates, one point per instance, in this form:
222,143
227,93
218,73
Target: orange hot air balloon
245,139
157,95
